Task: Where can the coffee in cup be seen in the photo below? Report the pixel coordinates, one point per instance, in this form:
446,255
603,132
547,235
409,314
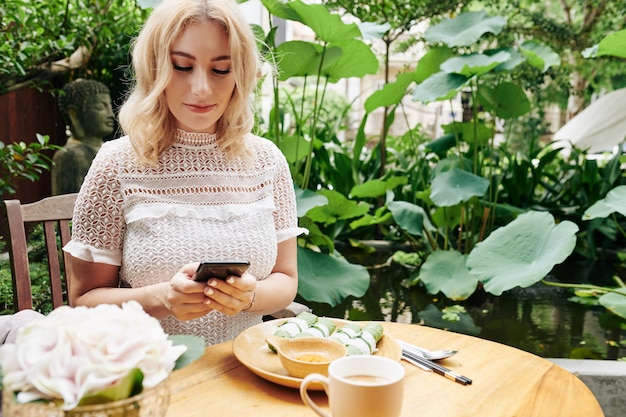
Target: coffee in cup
360,385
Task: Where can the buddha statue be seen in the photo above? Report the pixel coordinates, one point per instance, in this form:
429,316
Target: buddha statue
86,107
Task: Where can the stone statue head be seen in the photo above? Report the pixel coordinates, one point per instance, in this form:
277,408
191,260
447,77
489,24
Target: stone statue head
86,107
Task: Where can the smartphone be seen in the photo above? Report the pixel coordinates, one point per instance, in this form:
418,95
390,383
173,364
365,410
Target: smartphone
220,269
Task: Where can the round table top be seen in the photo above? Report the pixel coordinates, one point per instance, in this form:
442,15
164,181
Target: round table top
506,382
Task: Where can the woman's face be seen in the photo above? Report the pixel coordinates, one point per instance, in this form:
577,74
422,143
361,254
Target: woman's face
202,82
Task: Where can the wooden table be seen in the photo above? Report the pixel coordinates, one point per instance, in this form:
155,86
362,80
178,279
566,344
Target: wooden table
506,382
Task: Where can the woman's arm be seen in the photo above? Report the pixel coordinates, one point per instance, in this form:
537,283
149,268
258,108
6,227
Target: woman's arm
97,283
281,286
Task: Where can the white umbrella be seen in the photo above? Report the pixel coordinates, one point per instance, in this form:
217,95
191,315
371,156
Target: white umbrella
600,126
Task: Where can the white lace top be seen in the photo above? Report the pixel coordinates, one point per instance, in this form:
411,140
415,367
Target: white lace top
194,205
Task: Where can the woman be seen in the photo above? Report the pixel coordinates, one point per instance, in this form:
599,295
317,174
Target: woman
188,183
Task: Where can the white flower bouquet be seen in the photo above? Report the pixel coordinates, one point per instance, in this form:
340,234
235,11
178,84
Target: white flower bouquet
79,356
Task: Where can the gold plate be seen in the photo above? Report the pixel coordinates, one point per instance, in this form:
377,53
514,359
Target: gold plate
251,350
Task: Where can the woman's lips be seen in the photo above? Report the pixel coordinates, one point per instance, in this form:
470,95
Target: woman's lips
200,108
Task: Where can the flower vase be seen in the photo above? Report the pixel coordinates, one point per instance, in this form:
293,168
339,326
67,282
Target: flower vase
150,403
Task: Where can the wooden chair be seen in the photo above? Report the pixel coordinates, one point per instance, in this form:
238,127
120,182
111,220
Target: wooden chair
55,213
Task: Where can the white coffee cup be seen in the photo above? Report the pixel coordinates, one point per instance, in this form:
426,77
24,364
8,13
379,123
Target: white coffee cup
360,385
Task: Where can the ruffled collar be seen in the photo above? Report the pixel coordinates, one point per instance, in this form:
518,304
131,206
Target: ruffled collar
194,139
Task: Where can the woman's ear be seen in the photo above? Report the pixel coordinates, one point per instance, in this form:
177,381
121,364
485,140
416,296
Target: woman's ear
76,124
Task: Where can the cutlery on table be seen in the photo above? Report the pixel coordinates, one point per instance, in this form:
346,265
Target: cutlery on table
413,356
433,355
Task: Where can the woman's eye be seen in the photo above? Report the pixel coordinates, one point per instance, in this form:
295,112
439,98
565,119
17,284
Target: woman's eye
221,72
179,68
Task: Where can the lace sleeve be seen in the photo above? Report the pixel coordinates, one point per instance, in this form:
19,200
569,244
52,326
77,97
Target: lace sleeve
286,215
98,222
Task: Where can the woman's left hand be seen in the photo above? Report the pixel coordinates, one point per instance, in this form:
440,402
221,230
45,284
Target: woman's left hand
233,295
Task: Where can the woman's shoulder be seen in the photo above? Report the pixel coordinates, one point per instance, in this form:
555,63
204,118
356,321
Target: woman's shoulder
260,144
117,144
116,148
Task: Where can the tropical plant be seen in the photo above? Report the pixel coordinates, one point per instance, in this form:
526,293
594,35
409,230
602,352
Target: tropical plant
462,205
338,52
399,18
569,27
23,161
44,42
604,209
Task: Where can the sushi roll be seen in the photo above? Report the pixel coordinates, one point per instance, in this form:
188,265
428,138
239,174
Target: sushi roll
372,333
323,328
365,342
345,333
296,325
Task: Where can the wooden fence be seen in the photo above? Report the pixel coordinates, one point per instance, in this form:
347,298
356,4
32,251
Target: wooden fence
25,113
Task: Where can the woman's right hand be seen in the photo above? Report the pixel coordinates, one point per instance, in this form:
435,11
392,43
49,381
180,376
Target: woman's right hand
183,297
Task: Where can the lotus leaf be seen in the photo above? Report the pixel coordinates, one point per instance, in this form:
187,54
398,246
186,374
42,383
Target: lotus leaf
329,279
446,271
522,252
455,186
464,30
615,303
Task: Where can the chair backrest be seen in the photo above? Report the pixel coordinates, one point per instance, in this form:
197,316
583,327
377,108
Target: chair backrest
55,213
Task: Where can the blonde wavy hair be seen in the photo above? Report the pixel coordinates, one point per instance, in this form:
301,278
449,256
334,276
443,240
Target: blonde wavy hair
145,116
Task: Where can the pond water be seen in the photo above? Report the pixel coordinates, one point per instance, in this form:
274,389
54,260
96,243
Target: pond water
539,319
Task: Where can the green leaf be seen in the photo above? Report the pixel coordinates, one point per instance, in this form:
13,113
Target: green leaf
515,58
327,26
455,186
447,217
338,208
506,100
475,133
446,272
370,189
376,188
471,65
465,29
316,237
281,9
328,279
522,252
356,60
307,199
392,93
614,302
371,30
299,58
442,143
195,348
614,44
439,86
126,387
615,201
295,148
433,317
383,217
599,210
540,55
408,216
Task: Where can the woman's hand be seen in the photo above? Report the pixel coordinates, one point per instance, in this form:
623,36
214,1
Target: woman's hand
232,296
183,297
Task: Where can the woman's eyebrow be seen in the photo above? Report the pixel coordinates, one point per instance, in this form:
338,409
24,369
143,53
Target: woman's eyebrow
221,58
190,56
183,54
